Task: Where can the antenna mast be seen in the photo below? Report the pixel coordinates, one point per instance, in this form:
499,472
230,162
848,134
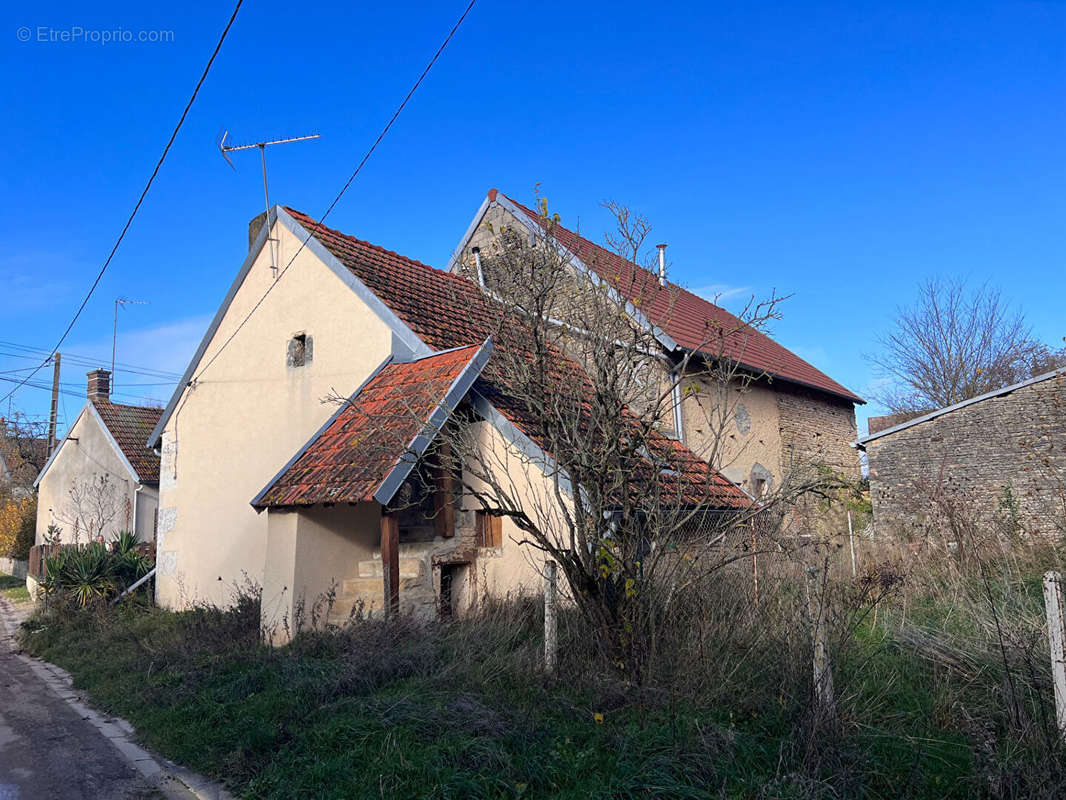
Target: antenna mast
119,301
225,149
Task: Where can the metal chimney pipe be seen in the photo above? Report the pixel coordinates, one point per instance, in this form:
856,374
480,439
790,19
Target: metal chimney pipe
477,263
662,264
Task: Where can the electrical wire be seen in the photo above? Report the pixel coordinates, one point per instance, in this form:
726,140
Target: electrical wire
72,393
88,361
166,377
351,179
137,207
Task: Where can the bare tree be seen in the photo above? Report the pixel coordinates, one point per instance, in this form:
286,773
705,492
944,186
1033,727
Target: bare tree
23,452
633,519
93,505
955,343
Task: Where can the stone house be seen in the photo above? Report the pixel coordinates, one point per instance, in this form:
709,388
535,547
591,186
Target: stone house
1000,454
262,480
782,418
101,478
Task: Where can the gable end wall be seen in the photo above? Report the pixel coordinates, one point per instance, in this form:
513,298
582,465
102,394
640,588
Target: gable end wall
816,430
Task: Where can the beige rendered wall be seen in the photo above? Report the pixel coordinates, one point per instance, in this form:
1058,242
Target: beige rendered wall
86,453
736,426
308,551
514,568
248,414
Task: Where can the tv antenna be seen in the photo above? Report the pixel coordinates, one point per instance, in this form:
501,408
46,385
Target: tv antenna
226,149
119,301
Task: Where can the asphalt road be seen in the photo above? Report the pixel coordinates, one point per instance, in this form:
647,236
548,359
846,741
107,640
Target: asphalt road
47,751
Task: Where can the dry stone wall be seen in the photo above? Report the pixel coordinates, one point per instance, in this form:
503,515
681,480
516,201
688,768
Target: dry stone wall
816,430
1002,456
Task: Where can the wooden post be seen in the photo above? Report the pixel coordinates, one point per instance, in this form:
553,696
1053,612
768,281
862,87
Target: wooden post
851,540
754,566
551,642
54,415
1057,641
823,673
390,561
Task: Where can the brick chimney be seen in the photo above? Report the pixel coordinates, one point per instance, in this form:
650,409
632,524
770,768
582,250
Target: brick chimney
253,227
100,385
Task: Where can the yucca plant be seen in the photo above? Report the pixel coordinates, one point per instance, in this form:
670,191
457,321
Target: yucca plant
84,574
129,564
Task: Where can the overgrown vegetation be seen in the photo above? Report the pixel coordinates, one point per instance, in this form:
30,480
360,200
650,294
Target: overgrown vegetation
87,574
940,670
18,518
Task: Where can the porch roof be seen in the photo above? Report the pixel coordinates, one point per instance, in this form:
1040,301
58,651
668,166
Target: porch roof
366,450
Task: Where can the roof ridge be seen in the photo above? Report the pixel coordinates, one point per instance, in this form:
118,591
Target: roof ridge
365,243
785,364
97,402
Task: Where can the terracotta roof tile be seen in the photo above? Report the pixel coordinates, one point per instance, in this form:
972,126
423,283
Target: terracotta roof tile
347,461
448,311
690,320
130,426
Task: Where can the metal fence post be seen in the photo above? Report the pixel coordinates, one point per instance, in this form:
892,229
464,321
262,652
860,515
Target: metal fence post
550,594
1057,643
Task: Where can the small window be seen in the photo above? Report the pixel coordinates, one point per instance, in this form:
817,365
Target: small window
489,530
301,350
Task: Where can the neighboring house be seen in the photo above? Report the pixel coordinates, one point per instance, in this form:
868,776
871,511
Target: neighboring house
1003,453
21,457
785,418
101,479
263,481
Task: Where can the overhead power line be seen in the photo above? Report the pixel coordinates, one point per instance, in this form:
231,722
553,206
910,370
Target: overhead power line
136,208
83,361
70,392
344,188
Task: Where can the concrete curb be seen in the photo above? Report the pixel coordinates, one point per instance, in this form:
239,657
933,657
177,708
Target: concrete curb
174,781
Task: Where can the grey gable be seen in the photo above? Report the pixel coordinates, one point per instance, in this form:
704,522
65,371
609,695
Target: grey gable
504,202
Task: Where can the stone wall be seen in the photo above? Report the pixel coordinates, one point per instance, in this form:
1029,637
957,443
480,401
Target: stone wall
971,456
12,566
816,430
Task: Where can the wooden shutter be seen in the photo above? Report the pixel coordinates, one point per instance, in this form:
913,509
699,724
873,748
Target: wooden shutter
489,530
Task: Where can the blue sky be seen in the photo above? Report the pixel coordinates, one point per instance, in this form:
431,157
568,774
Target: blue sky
837,152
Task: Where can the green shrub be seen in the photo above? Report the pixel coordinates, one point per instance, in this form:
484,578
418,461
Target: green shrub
95,572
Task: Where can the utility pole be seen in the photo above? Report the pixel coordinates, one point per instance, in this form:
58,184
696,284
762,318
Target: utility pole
53,416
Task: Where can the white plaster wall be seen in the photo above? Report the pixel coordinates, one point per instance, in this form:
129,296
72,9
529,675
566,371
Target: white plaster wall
92,454
248,414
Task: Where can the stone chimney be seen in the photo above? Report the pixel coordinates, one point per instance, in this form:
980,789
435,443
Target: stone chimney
100,385
254,226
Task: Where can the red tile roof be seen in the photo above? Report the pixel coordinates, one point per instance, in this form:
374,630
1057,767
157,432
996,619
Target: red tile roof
130,427
688,319
448,311
348,460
